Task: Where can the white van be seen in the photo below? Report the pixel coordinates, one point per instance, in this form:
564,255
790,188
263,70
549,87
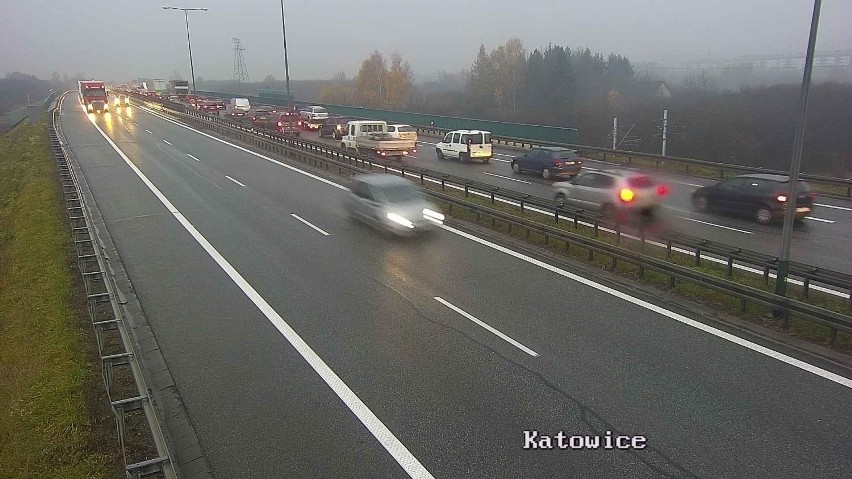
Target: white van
240,104
465,145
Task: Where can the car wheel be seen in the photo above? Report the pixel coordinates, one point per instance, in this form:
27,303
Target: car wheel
485,161
560,198
763,215
701,204
462,157
440,154
343,146
516,167
545,173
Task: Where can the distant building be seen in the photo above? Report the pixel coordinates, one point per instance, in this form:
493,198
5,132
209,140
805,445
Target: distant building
829,59
652,89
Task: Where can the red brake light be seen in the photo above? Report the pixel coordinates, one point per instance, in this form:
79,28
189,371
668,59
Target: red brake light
781,198
626,195
557,163
279,124
662,190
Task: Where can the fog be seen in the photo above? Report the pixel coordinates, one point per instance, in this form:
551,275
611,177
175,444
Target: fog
120,40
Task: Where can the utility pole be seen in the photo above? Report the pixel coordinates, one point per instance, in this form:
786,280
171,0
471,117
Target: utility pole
286,63
796,163
665,129
614,131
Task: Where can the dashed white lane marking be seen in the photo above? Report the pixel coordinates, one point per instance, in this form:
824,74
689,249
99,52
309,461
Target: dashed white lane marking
819,219
718,226
194,158
167,142
235,181
506,177
149,132
486,326
833,207
320,230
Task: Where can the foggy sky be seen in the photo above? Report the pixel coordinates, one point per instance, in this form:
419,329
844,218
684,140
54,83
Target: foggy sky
120,40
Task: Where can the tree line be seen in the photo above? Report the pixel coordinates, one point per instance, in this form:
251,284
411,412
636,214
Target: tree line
578,88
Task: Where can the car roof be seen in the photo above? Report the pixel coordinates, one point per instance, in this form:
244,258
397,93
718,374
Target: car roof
470,131
398,124
767,176
381,180
555,148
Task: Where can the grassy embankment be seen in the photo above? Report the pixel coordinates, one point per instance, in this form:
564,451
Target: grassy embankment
54,421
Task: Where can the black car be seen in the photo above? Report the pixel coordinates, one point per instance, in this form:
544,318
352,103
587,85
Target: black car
335,127
762,197
549,162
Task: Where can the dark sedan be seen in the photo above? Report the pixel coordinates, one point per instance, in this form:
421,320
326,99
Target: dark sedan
549,162
761,197
335,128
284,123
260,117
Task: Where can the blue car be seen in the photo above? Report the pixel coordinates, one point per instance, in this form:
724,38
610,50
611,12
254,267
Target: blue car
549,162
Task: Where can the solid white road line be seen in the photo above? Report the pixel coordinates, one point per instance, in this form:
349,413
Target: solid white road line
194,158
235,181
506,177
819,219
489,328
149,132
483,195
377,428
658,309
718,226
833,206
166,142
294,215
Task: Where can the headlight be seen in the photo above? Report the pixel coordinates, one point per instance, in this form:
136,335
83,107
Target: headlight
433,215
400,220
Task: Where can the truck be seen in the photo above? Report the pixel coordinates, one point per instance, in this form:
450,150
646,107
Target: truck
156,85
372,138
179,88
93,96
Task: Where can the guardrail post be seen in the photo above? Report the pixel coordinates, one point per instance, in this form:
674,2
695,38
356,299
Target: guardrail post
465,191
596,227
522,206
492,197
730,270
805,286
669,249
698,256
617,233
443,186
421,178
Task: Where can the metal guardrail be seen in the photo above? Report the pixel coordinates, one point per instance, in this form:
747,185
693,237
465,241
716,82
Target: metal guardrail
106,317
607,154
323,156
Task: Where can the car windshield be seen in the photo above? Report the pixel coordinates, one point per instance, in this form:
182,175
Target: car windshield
401,193
566,155
320,110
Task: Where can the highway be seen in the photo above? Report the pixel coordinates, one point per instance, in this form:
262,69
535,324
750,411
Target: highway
304,345
816,241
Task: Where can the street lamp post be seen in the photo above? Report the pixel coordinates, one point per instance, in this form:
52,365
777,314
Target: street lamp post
188,41
286,64
795,164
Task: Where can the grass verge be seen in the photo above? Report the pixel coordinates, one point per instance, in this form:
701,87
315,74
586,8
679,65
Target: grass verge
50,422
